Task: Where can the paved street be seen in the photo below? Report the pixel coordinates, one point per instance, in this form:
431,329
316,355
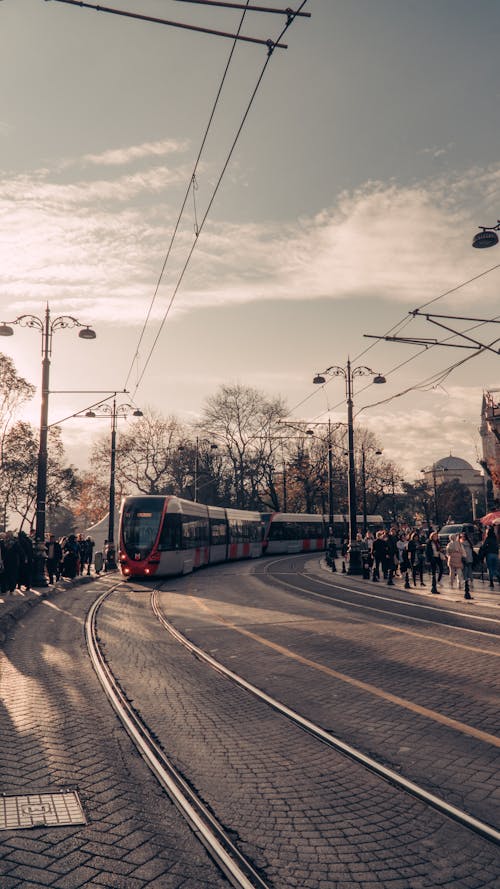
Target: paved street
416,689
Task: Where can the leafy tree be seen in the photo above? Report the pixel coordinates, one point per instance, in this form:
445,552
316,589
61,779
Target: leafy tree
20,471
93,499
14,392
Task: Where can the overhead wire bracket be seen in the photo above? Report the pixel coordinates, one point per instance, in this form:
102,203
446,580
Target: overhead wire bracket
158,21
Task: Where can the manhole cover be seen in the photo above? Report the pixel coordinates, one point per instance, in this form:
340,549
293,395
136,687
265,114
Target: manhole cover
41,809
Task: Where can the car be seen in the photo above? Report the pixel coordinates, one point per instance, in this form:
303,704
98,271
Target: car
446,531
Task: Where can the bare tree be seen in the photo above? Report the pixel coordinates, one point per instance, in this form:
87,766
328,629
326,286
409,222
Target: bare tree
147,456
245,422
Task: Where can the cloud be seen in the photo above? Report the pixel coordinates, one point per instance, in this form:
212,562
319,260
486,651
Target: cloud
122,156
86,237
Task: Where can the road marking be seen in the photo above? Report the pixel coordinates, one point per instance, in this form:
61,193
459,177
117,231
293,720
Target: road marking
440,718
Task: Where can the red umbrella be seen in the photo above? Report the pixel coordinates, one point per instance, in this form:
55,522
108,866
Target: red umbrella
492,518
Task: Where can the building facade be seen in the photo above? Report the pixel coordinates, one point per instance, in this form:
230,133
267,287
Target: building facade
490,437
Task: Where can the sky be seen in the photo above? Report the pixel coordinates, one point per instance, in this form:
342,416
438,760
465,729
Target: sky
338,190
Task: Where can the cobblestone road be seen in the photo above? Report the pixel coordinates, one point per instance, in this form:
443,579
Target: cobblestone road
305,815
56,730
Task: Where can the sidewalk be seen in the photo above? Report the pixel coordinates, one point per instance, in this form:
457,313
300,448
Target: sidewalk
481,593
14,606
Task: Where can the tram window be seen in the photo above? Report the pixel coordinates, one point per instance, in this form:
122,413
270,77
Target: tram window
194,531
140,526
218,531
171,534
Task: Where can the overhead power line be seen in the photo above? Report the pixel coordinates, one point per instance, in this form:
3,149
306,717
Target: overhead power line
271,44
212,198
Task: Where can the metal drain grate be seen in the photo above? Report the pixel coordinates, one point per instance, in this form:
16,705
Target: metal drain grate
41,810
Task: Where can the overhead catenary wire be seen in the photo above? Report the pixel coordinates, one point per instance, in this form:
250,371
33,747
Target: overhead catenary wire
399,326
213,196
184,202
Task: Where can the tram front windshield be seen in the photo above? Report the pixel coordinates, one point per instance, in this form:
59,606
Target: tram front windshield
140,526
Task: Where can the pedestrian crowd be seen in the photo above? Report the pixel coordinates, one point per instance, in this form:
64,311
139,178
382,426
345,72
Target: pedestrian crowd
21,555
410,553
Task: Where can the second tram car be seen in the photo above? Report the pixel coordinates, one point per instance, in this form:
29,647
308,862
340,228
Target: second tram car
166,535
288,532
303,533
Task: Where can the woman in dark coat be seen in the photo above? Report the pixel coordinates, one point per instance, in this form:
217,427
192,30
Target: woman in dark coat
12,559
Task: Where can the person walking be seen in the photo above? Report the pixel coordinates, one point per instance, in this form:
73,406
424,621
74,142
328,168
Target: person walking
26,565
435,559
70,565
54,558
12,557
88,550
489,551
393,559
416,556
454,555
467,563
379,551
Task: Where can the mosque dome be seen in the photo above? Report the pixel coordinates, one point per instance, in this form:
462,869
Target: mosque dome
453,464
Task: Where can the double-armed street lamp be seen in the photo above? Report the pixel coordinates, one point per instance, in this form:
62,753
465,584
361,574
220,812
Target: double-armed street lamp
113,411
46,326
198,442
349,373
331,426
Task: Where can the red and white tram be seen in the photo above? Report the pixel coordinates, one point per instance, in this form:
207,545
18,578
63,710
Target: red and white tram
165,535
289,532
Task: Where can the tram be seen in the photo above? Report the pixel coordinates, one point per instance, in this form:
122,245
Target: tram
165,535
303,533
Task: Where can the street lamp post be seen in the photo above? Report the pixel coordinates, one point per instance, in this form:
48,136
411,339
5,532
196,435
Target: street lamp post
213,447
349,373
113,411
434,469
330,466
46,326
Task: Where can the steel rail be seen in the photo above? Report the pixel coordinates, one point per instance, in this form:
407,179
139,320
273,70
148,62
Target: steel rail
232,863
377,596
453,812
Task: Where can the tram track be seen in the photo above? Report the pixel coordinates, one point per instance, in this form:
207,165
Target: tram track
364,594
238,869
461,816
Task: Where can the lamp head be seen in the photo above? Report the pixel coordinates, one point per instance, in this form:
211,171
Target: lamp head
90,414
138,413
6,330
319,380
87,333
485,238
379,379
